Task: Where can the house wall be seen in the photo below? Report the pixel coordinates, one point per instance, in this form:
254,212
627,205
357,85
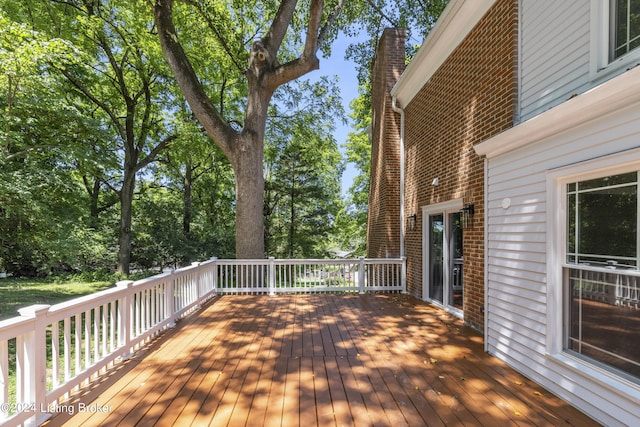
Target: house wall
471,97
564,52
552,71
577,113
383,224
524,314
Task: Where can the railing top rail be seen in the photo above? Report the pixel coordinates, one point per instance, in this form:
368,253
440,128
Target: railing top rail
602,269
10,328
71,307
384,260
152,280
308,261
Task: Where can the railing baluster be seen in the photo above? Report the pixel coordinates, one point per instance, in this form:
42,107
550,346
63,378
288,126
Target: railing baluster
96,334
105,330
55,354
142,327
77,343
20,369
87,339
67,348
152,307
112,326
4,375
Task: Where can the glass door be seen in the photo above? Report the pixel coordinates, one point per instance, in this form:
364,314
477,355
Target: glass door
456,265
436,258
445,262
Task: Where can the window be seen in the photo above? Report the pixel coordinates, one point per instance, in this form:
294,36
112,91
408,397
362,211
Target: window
615,41
602,272
624,27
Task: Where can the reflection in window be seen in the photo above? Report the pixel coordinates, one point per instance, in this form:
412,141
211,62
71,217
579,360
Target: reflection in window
602,221
602,281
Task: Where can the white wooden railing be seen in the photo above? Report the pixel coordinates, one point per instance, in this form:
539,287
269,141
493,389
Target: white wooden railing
48,351
613,286
310,276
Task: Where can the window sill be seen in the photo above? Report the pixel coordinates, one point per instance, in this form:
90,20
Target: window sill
585,373
615,67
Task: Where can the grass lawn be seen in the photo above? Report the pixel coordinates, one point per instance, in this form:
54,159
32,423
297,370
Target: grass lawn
19,293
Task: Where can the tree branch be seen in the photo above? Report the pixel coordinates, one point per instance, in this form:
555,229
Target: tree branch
274,37
156,150
218,35
393,23
148,106
311,40
315,36
103,106
23,152
202,107
331,20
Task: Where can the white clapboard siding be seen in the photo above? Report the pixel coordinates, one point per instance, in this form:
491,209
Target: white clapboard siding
554,52
517,306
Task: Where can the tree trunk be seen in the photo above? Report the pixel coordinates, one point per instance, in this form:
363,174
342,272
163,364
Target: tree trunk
126,210
247,166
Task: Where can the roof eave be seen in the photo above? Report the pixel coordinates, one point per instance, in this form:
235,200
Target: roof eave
454,24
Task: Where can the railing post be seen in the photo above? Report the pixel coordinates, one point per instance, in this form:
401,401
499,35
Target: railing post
272,276
170,300
125,315
403,275
198,291
215,275
31,364
361,275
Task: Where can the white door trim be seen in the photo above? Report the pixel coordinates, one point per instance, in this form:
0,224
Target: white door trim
444,208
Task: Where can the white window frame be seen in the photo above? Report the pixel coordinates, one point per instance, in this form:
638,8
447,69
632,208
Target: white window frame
600,65
556,183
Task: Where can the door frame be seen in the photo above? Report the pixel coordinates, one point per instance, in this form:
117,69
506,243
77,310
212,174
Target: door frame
444,208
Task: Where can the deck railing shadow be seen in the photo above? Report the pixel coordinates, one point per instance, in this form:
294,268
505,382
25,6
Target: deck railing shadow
48,351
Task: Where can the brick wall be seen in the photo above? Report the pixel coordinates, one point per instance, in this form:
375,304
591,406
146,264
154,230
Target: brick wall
383,227
469,99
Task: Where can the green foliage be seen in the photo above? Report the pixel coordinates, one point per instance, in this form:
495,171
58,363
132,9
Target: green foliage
87,101
304,168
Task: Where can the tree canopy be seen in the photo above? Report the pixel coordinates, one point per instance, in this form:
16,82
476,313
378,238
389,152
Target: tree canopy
150,134
101,155
283,41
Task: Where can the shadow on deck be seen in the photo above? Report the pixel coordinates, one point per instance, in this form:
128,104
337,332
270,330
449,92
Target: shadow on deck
322,360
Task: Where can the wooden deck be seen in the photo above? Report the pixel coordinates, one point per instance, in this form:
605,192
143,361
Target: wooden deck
384,360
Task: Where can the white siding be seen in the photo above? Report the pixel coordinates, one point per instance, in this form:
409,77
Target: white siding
517,320
554,53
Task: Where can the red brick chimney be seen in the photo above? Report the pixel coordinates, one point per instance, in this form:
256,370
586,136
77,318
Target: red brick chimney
383,228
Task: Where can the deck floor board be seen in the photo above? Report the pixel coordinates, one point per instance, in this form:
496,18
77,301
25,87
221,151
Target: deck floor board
317,360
